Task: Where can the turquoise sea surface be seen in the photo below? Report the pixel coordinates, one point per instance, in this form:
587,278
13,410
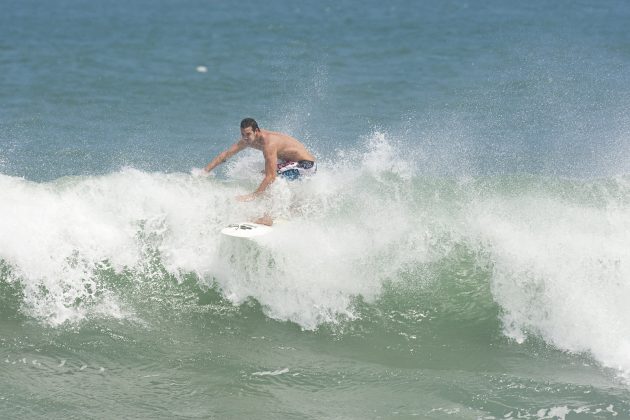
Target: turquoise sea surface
462,253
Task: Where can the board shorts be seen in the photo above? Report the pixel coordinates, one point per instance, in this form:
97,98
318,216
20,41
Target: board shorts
294,170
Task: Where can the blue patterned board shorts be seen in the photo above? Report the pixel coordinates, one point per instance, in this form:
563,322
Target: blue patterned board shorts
294,170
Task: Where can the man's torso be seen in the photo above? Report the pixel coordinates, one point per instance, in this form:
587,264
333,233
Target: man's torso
287,148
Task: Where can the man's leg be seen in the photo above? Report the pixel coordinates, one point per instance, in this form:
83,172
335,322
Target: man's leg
265,220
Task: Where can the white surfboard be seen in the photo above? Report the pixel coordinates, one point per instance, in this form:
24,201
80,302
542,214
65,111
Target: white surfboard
246,230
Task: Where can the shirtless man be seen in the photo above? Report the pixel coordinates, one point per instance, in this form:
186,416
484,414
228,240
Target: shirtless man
284,155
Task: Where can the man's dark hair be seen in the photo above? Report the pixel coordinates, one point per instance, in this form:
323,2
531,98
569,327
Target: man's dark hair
250,122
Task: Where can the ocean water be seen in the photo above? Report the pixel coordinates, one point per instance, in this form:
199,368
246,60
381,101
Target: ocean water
462,253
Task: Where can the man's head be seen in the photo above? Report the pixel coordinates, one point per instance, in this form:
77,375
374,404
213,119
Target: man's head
249,129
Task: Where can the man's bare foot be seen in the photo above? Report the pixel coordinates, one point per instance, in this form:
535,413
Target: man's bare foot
265,220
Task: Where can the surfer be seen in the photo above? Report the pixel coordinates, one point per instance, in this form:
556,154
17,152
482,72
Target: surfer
284,155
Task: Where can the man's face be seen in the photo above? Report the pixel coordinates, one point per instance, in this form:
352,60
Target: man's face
248,134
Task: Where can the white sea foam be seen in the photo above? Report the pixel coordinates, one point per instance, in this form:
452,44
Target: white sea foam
559,264
271,373
56,236
561,271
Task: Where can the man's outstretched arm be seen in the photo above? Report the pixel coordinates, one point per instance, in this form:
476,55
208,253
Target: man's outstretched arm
225,155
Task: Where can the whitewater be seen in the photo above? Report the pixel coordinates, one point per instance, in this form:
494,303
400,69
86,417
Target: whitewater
554,252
